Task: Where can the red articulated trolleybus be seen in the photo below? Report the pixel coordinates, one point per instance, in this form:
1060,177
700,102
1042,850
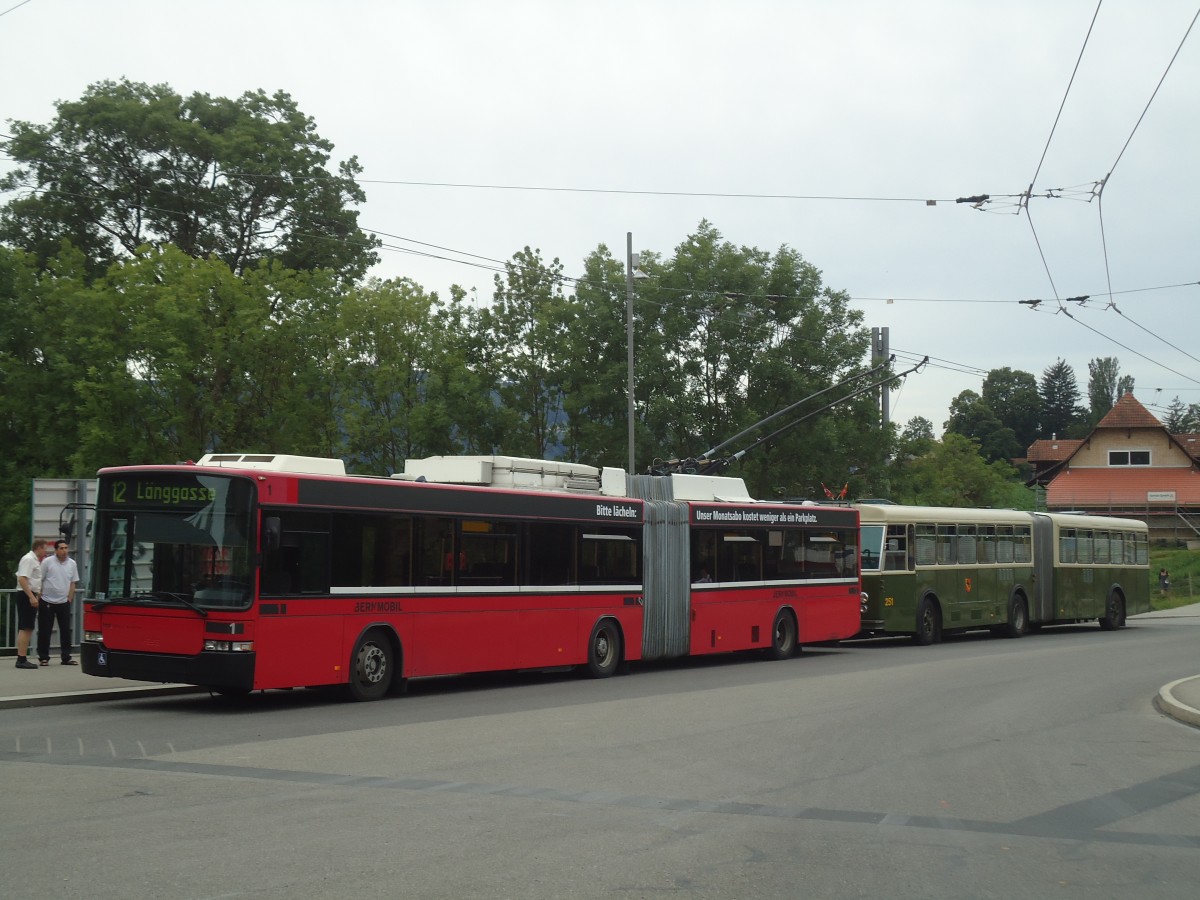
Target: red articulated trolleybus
250,572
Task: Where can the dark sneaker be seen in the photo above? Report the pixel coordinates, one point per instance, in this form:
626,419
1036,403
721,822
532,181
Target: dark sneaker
24,663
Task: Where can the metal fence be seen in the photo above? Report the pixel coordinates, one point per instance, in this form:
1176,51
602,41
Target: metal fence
8,622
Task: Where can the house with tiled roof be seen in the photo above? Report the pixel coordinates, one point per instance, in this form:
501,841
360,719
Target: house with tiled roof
1130,465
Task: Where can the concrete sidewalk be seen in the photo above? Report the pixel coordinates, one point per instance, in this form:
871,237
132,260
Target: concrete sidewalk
58,684
1179,699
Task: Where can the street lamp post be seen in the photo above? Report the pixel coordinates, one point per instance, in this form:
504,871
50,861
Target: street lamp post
629,337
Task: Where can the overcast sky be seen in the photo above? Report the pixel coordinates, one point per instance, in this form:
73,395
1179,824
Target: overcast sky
637,113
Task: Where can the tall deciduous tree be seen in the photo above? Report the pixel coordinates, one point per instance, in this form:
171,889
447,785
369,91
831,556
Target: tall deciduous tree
953,473
190,357
38,424
1106,385
595,383
1012,395
525,327
128,164
388,339
729,335
972,417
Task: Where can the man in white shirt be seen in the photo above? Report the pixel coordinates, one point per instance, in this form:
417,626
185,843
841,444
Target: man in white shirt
29,586
59,576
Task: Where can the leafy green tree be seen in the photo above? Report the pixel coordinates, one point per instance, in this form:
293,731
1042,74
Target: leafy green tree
525,325
388,337
595,379
972,417
1106,386
189,357
728,335
1061,413
953,473
1012,395
464,378
916,438
37,421
130,164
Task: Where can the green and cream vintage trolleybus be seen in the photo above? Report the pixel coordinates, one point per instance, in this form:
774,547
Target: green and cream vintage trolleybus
931,570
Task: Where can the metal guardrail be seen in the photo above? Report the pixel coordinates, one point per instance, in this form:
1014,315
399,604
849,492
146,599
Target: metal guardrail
8,622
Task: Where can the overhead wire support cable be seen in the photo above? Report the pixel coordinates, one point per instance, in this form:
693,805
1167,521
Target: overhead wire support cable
1062,309
1118,311
730,195
11,8
1154,94
1041,253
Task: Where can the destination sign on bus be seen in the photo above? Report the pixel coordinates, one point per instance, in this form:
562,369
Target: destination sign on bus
766,516
157,491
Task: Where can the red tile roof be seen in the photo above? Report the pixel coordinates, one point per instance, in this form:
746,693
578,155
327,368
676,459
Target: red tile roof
1052,451
1190,443
1128,413
1120,487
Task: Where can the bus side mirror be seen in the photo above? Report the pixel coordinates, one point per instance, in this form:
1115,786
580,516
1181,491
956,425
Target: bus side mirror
272,531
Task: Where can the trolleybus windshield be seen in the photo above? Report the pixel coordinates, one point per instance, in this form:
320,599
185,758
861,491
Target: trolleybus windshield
174,538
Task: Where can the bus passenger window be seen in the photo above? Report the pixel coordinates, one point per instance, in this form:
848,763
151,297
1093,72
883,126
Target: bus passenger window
301,562
896,559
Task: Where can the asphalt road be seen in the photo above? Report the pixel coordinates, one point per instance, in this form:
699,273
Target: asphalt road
979,768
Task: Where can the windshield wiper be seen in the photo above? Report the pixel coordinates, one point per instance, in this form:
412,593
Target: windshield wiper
100,604
178,598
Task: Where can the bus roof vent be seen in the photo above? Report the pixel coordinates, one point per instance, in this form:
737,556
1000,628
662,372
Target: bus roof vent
510,472
709,487
275,462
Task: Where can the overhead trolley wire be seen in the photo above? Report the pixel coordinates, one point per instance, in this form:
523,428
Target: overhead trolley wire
1104,182
1066,94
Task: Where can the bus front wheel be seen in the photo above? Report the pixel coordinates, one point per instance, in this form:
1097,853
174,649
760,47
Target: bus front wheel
1114,610
604,649
371,667
929,622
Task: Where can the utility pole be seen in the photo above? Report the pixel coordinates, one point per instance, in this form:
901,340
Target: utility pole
629,337
880,351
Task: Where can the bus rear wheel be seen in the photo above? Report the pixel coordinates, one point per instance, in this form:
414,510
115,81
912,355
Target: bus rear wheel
1115,612
371,667
929,622
604,649
783,636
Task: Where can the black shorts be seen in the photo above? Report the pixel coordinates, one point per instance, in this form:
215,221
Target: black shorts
26,614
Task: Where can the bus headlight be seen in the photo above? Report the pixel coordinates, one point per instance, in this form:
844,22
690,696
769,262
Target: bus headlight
863,600
93,637
230,646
